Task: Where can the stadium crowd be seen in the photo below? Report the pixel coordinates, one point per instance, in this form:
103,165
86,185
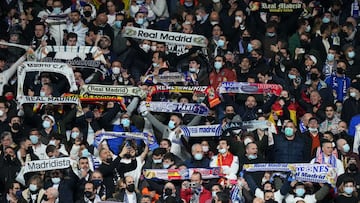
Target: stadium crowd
311,53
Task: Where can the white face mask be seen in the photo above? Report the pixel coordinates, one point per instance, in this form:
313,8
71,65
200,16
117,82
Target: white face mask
1,113
153,48
116,70
205,148
146,47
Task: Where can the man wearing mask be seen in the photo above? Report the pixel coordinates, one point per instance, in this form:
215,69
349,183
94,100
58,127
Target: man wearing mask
345,153
300,192
169,191
251,157
351,171
312,137
90,195
47,131
193,191
16,129
197,160
198,75
338,82
57,21
228,162
100,24
156,159
353,70
351,106
129,193
64,185
203,22
34,192
221,73
326,156
38,147
9,167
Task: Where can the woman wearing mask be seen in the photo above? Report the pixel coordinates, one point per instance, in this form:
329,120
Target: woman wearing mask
347,192
34,192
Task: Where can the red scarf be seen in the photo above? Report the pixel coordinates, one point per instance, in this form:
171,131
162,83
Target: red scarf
225,160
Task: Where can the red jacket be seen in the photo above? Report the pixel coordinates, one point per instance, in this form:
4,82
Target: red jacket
205,195
224,75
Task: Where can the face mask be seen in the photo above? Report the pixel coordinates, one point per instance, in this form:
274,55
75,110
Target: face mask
289,132
346,148
313,130
252,156
340,71
157,161
168,191
313,76
88,194
270,34
353,94
214,22
125,122
42,94
118,24
247,141
348,190
32,187
139,2
166,166
140,21
308,28
16,126
239,19
74,135
222,151
171,124
55,180
218,65
85,153
109,160
351,54
249,47
291,77
87,13
188,4
131,187
9,97
46,124
300,192
213,194
155,65
153,48
330,57
192,70
96,183
57,10
215,1
230,115
352,167
52,142
146,47
1,113
198,18
220,43
198,156
34,139
205,148
325,20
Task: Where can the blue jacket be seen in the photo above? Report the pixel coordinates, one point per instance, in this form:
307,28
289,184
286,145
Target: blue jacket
339,84
115,143
353,123
289,151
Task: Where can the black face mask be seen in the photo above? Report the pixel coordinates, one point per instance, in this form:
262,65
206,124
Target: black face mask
49,8
270,201
127,156
230,115
88,194
16,126
87,13
353,168
313,76
131,187
108,160
340,70
8,158
45,198
168,192
304,44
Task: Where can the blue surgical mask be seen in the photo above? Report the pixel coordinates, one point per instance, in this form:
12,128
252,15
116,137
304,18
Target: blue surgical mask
32,187
252,156
188,4
213,193
55,180
74,135
325,20
291,77
222,151
198,156
270,34
85,153
118,24
42,94
220,43
57,10
289,132
34,139
346,148
192,70
157,161
249,47
166,166
348,190
308,28
140,21
171,124
300,192
125,122
139,2
46,124
330,57
218,65
351,54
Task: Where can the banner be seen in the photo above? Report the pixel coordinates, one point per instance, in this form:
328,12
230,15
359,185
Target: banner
274,7
250,88
119,90
60,68
202,130
48,164
48,100
319,173
172,77
165,36
172,107
109,135
181,174
79,64
254,124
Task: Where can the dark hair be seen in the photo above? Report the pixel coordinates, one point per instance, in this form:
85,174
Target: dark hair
50,148
72,35
159,151
75,11
169,156
223,197
166,140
